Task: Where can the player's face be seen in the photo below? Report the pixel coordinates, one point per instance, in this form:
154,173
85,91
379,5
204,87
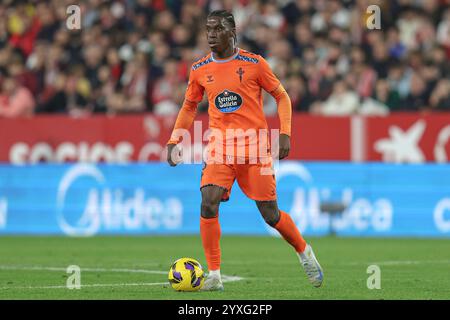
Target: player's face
219,34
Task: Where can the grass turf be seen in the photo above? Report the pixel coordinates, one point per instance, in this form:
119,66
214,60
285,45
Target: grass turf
30,267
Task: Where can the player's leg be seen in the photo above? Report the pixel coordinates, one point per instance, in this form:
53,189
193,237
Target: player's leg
209,225
210,233
284,224
259,184
217,180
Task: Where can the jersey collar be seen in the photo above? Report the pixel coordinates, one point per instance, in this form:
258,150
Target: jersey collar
227,59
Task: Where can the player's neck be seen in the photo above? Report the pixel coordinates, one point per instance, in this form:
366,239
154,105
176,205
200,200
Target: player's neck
225,54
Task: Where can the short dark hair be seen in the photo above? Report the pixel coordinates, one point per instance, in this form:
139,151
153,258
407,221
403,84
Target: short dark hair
228,16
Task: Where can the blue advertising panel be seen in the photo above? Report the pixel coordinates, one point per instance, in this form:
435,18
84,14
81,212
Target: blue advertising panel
88,199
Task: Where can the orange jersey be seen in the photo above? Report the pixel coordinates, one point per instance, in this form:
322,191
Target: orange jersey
233,87
234,90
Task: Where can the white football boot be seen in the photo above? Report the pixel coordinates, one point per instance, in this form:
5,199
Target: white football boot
311,265
213,282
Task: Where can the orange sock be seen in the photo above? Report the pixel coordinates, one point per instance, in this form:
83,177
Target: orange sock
210,232
288,230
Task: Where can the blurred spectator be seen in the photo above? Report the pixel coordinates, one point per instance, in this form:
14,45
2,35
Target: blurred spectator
416,99
134,83
397,49
342,101
443,30
300,98
164,89
298,10
15,100
440,97
70,95
362,77
381,101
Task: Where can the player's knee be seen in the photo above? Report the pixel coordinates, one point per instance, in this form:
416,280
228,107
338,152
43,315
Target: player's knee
271,218
209,209
269,212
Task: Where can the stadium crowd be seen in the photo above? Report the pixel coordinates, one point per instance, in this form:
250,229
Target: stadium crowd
135,55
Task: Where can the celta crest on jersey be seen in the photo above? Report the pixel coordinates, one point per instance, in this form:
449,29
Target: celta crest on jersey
228,101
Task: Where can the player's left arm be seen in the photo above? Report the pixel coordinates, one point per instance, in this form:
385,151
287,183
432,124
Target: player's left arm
271,84
285,114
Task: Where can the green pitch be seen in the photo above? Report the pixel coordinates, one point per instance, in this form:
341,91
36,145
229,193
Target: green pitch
261,267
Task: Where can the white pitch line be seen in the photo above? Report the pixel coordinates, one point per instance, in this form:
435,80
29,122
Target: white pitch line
39,268
400,262
89,285
393,263
225,278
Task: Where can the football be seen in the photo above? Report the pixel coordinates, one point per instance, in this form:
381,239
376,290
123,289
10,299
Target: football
186,274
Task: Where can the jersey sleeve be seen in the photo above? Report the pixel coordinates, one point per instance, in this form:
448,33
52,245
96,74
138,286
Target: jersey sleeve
266,78
188,111
194,91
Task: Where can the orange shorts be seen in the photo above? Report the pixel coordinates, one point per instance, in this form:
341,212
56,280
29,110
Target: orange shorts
257,181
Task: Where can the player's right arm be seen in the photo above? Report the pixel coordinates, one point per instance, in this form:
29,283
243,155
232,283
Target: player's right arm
186,116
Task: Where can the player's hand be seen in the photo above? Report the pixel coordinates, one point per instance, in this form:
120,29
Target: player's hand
174,154
285,146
